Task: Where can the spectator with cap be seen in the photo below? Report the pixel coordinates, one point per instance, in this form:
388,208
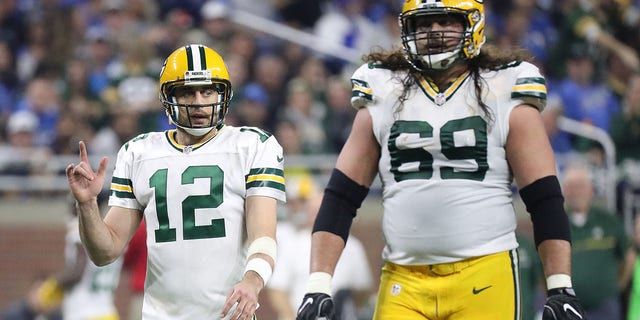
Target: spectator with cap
215,25
584,98
20,156
43,100
252,109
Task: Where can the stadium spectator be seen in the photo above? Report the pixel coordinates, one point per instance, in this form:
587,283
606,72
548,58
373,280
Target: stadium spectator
308,113
8,82
42,98
205,190
252,108
123,126
625,124
20,156
270,73
340,114
447,124
585,99
345,24
599,247
215,25
288,134
625,133
561,141
585,24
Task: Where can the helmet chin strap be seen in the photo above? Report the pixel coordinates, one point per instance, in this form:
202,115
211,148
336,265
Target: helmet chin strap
441,61
197,132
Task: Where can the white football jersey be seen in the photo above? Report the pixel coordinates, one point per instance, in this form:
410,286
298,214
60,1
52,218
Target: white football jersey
292,268
93,296
446,181
193,199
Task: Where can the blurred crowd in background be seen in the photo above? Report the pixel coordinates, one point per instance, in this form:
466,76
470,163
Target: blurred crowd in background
87,69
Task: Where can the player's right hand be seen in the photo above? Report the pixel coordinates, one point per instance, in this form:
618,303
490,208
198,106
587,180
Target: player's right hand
316,306
85,184
562,304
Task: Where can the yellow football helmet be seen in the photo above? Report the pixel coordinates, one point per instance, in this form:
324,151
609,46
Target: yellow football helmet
471,39
195,65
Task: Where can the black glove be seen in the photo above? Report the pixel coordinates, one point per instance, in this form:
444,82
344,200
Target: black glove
316,306
562,304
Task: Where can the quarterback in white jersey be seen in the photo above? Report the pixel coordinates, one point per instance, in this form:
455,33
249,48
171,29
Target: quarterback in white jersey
208,193
92,295
447,127
193,203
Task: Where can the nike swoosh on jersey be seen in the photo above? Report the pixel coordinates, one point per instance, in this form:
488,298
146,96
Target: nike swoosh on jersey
567,307
476,291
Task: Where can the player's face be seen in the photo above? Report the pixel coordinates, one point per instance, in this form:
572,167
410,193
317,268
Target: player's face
438,33
201,100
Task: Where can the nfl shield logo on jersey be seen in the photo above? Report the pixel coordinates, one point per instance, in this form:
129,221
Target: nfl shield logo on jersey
440,99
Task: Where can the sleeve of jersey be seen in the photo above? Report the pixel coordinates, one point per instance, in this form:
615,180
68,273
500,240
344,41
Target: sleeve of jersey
121,187
266,175
361,93
530,87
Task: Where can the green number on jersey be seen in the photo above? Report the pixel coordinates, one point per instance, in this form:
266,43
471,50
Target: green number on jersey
264,135
402,153
190,231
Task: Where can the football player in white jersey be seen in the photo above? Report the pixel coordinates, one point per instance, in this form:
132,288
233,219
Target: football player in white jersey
90,292
207,191
447,127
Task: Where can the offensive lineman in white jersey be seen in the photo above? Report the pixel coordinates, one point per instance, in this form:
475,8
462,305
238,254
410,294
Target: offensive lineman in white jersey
447,128
208,193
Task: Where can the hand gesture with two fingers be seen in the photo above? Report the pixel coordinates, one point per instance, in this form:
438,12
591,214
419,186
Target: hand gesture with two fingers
85,184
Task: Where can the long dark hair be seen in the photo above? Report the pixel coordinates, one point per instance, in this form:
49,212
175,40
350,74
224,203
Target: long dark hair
490,58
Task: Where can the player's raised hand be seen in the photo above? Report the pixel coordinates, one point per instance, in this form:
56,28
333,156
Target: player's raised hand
85,184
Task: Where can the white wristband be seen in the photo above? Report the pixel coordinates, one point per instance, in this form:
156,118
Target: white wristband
319,282
261,267
264,245
558,281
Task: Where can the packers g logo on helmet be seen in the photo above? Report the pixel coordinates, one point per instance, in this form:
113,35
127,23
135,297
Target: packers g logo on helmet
471,39
195,65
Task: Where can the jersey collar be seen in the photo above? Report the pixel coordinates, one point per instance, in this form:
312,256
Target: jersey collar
441,97
171,138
